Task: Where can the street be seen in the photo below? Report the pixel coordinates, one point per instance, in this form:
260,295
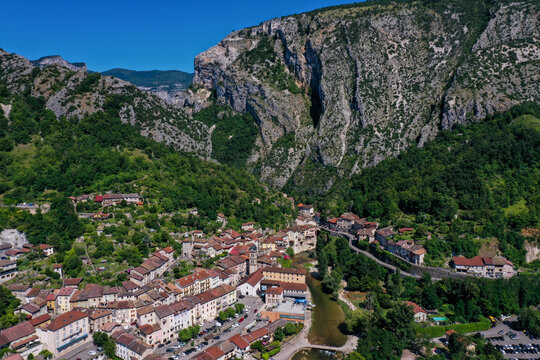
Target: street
80,352
252,302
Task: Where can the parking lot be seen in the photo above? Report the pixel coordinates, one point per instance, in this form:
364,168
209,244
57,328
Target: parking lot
511,343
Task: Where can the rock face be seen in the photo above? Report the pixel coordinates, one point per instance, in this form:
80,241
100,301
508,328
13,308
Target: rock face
13,237
339,89
57,60
70,91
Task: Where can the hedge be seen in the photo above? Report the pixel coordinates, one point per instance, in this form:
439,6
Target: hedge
438,331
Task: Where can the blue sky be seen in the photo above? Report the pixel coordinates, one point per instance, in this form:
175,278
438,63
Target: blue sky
136,34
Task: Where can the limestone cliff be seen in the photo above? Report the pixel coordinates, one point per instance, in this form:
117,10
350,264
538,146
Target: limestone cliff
69,90
339,89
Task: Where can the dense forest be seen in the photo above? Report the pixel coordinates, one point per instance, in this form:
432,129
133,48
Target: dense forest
48,159
484,178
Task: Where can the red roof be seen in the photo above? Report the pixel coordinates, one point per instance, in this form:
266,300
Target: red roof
98,198
239,341
40,320
463,261
416,309
168,249
66,319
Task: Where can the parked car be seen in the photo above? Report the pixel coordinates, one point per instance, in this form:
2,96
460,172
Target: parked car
92,353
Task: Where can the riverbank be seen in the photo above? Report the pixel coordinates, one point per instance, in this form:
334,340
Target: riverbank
322,325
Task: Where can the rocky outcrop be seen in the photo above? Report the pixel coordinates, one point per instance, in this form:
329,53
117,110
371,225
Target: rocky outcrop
502,70
13,237
346,87
57,60
70,91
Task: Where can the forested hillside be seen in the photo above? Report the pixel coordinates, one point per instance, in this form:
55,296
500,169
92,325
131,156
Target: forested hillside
48,159
484,178
152,78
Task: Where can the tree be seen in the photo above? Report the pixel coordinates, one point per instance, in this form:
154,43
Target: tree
400,321
184,335
257,345
529,319
109,348
355,356
230,312
357,321
100,338
290,328
239,307
8,320
222,316
455,346
46,354
290,252
195,329
278,334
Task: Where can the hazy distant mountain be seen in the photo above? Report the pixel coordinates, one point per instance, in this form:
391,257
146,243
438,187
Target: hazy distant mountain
153,79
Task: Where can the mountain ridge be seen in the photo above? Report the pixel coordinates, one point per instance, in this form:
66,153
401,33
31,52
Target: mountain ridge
353,85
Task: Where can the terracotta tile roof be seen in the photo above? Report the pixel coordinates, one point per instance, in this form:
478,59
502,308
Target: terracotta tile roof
239,341
349,216
463,261
168,250
66,319
254,278
163,311
129,285
33,293
149,329
386,232
40,320
65,291
14,357
415,308
72,282
18,331
275,291
293,286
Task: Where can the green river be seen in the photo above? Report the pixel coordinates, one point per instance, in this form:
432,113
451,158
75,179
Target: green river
327,316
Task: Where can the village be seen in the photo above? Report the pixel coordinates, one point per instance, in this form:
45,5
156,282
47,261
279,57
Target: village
203,296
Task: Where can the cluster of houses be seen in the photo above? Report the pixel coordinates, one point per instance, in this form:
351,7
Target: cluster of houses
496,267
268,248
10,255
385,237
109,199
146,312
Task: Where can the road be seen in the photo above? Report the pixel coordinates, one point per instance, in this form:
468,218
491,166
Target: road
80,352
251,301
351,238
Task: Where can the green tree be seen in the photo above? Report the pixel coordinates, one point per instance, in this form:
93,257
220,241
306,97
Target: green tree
239,307
278,334
100,338
109,348
290,328
46,354
257,345
184,335
529,319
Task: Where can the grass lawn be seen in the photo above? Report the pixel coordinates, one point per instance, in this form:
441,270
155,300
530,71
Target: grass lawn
355,297
528,121
516,208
